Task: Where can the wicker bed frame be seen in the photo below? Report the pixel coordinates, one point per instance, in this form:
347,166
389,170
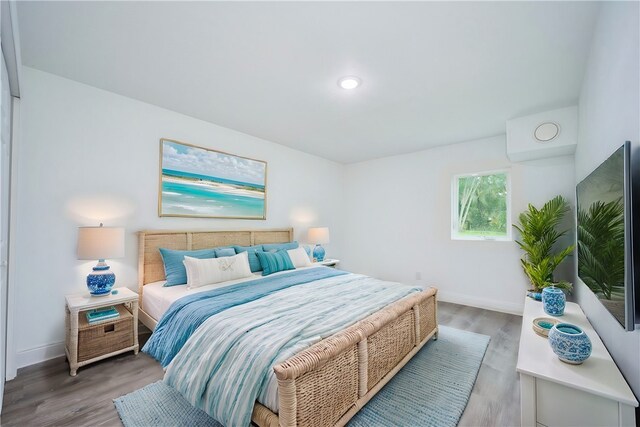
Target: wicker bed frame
328,383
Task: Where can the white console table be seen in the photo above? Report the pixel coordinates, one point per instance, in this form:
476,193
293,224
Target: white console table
554,393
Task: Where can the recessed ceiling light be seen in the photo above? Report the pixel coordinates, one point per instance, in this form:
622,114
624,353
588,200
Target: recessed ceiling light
349,82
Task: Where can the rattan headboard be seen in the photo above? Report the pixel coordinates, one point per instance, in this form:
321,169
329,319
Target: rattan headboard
150,267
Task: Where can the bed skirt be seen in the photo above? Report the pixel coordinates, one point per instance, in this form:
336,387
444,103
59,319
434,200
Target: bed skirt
328,383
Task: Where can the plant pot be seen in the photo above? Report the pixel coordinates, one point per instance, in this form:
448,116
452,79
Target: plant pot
570,343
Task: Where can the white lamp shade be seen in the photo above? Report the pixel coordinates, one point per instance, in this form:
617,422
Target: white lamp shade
100,242
319,235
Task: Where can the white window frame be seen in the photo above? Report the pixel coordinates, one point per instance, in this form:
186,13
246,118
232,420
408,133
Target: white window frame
455,235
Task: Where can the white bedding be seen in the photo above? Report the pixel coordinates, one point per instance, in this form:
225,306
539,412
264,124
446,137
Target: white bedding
156,299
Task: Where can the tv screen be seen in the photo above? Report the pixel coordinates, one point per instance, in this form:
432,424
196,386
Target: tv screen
605,259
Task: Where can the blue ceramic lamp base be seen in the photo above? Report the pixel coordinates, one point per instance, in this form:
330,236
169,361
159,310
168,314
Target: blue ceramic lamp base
318,253
101,280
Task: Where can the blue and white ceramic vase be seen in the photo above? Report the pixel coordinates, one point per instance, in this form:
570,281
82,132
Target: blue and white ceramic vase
570,343
553,301
101,280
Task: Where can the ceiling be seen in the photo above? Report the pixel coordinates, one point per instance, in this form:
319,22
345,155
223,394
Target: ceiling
433,73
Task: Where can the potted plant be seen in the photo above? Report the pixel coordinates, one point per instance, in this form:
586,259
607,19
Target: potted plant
539,234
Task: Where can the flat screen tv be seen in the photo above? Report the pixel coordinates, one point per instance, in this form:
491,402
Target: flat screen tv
605,235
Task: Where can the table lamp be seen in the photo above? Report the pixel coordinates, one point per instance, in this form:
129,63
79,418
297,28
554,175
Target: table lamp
100,243
319,236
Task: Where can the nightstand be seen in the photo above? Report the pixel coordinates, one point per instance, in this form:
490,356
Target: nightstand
89,342
329,262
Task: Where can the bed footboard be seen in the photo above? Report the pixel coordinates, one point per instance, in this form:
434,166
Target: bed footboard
326,384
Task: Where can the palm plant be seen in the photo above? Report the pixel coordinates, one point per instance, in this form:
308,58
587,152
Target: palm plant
539,234
601,248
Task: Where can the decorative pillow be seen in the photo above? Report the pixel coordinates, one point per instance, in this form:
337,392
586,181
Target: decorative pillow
174,268
272,262
201,272
254,263
274,247
299,257
222,252
307,249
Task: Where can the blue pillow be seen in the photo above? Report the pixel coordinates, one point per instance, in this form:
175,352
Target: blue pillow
272,262
254,263
223,252
174,269
273,247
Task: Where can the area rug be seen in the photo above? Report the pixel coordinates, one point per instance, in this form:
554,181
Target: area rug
431,390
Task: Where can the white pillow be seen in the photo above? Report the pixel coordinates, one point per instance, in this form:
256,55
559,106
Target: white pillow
299,257
201,272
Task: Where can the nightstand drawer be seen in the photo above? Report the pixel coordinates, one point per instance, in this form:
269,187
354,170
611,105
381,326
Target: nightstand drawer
104,337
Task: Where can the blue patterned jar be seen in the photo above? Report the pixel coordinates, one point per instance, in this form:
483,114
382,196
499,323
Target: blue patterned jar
553,301
570,343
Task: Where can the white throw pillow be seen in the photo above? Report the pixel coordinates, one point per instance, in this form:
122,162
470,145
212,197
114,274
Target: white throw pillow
299,257
201,272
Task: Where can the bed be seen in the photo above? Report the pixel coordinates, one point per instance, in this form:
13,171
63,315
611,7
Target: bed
328,382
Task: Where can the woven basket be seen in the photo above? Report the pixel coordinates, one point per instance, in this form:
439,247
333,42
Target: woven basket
96,339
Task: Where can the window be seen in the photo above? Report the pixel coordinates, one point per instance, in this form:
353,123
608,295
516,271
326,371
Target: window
481,206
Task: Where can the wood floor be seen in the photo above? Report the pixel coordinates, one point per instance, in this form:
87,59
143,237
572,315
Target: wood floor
45,394
495,399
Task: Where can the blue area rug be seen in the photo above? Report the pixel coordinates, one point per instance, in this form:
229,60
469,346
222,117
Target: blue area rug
431,390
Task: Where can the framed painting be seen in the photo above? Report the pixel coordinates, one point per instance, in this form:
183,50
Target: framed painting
200,182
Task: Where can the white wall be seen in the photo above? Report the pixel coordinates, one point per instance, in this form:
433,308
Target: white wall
609,114
88,155
398,221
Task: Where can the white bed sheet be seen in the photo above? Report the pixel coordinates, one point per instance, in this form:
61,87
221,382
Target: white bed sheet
156,298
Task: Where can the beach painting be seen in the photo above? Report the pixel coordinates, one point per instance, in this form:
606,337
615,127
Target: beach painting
199,182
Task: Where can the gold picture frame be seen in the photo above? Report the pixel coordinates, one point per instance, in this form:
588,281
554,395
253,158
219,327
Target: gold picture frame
200,182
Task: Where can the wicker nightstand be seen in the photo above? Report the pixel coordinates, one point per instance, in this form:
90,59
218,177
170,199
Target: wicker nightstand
89,342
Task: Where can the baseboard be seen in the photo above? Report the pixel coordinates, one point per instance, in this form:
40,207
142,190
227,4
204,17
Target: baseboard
39,354
487,304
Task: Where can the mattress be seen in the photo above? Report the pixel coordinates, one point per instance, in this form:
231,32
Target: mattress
156,298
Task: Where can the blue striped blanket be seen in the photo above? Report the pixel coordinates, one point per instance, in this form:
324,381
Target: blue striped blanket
227,364
186,314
